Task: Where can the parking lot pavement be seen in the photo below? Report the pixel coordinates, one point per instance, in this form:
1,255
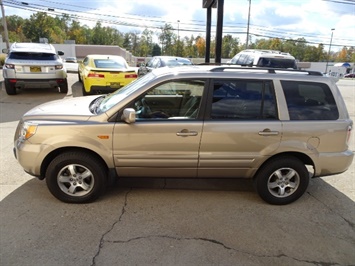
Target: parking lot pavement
171,222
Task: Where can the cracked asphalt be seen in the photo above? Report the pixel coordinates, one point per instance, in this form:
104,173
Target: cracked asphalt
168,221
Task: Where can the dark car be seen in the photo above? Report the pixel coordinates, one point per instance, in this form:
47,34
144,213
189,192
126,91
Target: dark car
350,75
162,61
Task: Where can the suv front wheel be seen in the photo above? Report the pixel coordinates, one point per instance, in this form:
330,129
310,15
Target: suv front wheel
282,180
76,177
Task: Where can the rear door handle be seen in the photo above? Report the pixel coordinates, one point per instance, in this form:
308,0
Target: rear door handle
186,133
268,132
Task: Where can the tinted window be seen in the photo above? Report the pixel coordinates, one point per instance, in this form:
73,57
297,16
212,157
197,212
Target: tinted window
309,101
109,63
243,99
32,56
277,63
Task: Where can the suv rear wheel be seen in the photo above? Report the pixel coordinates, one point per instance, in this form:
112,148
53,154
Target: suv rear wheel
10,87
63,87
282,180
76,177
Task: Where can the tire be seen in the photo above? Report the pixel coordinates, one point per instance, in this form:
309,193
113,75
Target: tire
63,87
76,177
84,91
9,87
282,180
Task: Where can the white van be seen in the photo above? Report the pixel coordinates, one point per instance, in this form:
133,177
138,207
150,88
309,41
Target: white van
264,58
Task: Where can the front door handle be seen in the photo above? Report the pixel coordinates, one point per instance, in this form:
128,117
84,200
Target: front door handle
186,133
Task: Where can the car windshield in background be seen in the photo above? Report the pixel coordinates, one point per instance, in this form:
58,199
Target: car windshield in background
113,98
32,56
277,63
109,63
177,62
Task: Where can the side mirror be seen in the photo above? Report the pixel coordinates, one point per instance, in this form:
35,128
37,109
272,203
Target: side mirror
5,51
129,115
60,53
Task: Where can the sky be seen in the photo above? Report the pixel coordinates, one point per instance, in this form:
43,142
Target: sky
288,19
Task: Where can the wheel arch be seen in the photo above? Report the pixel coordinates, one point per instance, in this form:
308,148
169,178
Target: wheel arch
56,152
300,156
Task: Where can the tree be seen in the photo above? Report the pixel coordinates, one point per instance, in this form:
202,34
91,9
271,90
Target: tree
145,43
343,55
201,46
40,25
156,50
166,39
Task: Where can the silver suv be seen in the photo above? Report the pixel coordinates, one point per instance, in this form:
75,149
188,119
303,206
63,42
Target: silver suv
34,65
278,127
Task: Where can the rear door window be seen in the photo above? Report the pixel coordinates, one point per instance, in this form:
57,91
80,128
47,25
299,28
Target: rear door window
309,101
243,100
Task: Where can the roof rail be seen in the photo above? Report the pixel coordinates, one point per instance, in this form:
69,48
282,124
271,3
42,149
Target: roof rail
269,70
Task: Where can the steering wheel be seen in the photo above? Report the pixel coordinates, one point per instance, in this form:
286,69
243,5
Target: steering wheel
143,109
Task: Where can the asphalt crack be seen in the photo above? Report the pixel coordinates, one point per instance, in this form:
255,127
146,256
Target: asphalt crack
102,241
351,224
216,242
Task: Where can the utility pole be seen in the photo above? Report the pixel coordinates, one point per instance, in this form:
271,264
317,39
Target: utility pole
6,34
247,41
330,46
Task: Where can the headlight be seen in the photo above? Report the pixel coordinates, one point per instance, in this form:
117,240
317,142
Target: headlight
28,130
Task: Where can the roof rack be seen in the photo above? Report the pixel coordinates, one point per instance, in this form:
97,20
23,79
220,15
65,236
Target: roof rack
269,70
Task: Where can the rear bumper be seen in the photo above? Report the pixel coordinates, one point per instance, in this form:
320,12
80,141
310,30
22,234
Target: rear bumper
37,83
331,163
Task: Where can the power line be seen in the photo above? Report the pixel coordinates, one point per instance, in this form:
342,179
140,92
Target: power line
159,23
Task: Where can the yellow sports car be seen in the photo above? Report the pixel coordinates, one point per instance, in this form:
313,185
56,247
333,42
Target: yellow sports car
104,73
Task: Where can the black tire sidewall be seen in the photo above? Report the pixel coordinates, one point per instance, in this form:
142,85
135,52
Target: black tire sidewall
261,179
10,89
86,160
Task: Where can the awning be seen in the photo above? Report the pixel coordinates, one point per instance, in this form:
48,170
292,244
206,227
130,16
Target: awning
342,64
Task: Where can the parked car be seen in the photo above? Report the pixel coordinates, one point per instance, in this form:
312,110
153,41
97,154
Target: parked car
264,58
162,61
71,60
34,65
350,75
278,127
104,73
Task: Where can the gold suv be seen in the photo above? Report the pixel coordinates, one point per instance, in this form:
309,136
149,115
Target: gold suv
279,127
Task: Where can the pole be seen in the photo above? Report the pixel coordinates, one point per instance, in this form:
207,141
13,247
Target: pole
247,41
219,33
208,34
177,48
330,45
5,26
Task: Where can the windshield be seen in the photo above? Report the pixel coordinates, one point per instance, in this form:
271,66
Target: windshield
113,98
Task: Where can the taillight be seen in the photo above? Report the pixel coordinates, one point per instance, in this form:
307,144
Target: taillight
131,76
58,66
10,66
95,75
349,134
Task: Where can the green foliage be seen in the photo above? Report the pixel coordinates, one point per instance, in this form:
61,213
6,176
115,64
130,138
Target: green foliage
2,59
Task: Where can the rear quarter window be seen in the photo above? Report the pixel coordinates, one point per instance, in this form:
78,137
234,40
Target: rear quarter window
309,101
